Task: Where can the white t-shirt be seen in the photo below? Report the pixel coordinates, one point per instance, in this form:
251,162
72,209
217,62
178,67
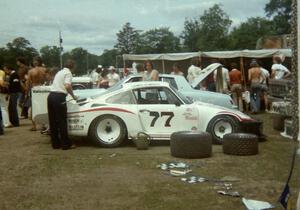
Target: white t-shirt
179,73
266,74
193,72
113,78
226,78
62,77
279,70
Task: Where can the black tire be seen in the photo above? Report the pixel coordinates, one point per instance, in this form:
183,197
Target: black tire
278,122
216,139
240,144
186,144
108,119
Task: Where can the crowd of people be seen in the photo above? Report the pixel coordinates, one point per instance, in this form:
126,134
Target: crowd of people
15,90
16,85
232,81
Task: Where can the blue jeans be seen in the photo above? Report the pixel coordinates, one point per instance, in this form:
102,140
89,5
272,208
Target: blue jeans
255,99
13,109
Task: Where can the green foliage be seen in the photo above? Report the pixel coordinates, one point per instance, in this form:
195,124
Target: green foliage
50,55
159,40
281,12
108,57
208,32
127,39
190,34
19,47
246,34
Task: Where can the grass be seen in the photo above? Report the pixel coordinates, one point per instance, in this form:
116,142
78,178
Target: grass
33,176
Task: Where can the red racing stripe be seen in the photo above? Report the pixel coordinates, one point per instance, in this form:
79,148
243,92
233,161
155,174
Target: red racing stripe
103,109
238,117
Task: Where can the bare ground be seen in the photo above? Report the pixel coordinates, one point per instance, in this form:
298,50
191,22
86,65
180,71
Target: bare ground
33,176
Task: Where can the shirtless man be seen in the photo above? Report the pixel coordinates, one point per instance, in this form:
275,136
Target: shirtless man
256,78
36,77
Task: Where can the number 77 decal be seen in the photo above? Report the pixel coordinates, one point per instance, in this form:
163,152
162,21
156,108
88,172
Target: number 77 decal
155,116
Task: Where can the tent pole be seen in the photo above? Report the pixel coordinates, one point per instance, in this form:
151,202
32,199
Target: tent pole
242,70
163,65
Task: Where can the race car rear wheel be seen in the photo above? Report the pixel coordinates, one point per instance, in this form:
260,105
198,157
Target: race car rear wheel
221,125
107,131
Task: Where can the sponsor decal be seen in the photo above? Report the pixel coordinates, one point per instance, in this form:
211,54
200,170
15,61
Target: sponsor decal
189,116
41,91
75,127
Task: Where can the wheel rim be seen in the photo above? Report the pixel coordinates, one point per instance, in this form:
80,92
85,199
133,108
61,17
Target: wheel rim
222,127
108,130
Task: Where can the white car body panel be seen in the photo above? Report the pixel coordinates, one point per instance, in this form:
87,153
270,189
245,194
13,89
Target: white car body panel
136,117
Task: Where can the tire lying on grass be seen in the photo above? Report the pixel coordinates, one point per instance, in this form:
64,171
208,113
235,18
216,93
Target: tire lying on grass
240,144
107,131
187,144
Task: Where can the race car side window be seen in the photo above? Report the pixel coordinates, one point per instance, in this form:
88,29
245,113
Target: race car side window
169,80
155,96
122,98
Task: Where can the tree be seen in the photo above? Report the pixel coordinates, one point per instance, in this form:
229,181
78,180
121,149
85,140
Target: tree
215,24
208,32
160,40
80,56
190,34
281,12
246,34
108,57
20,47
128,39
50,55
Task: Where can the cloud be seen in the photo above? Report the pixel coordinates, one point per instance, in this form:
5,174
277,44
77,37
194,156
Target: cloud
93,24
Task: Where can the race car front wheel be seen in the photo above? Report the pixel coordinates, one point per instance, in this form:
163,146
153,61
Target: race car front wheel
107,131
221,125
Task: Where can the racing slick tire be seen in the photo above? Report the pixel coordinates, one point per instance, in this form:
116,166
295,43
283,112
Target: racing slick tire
278,122
107,131
240,144
220,126
187,144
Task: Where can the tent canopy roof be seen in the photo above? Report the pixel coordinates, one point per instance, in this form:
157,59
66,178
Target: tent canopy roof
214,54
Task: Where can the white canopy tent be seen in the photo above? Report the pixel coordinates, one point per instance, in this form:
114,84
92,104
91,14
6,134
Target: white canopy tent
214,54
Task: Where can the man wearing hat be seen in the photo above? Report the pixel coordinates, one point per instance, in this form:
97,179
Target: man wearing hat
112,76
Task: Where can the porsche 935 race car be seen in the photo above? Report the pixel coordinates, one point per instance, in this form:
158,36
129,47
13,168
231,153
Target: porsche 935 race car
155,108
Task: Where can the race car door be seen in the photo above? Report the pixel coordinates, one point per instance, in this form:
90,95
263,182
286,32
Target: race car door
161,112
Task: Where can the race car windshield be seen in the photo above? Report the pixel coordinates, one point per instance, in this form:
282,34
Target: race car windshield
181,96
117,86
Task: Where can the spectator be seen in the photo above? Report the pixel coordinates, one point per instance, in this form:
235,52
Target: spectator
57,107
150,74
236,80
264,87
255,77
279,71
36,77
50,74
140,70
222,80
194,70
177,70
103,80
23,75
14,89
3,101
112,76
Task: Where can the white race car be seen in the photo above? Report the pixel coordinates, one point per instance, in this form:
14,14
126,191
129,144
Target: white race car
155,108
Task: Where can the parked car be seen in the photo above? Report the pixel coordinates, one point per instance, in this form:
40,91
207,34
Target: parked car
79,83
180,84
155,108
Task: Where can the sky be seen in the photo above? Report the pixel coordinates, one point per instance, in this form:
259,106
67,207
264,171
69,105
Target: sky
93,24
